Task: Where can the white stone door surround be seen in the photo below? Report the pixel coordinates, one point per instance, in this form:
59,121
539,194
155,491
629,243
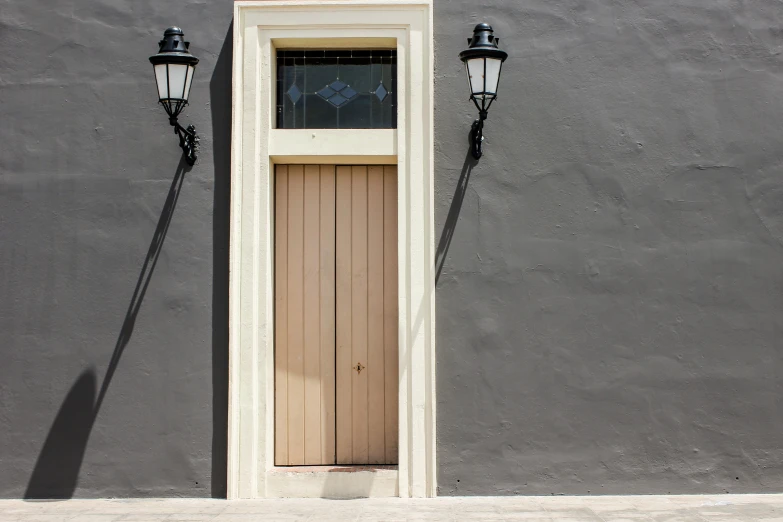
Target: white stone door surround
261,27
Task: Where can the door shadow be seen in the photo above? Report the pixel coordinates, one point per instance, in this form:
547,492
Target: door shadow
220,103
56,471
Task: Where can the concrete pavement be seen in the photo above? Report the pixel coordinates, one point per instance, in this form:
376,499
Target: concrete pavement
700,508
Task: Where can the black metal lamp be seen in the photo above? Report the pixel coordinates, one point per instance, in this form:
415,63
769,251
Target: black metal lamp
483,61
174,67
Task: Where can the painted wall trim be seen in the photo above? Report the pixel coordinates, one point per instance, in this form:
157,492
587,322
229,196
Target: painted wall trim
257,26
333,142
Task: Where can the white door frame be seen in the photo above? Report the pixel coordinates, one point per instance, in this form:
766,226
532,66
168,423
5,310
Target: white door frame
259,28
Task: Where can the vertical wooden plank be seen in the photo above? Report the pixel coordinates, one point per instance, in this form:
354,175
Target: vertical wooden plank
390,311
375,312
343,292
359,313
296,416
312,315
281,315
327,314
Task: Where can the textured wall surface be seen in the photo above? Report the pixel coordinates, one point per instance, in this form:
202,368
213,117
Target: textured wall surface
610,305
113,259
610,290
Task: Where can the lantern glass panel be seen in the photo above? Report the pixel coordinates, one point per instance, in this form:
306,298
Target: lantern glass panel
493,75
191,71
475,67
177,78
161,79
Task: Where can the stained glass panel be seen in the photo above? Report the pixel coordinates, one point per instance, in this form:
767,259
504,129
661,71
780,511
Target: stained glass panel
337,89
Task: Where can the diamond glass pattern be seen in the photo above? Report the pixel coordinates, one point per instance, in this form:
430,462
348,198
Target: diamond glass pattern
381,92
326,93
338,100
337,93
337,89
294,93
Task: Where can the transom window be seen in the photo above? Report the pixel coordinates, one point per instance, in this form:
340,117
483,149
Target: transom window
337,89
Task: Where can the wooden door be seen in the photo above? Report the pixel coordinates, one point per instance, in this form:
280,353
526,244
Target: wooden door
336,360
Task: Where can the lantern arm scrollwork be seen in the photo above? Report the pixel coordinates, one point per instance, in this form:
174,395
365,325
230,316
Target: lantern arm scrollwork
477,135
188,140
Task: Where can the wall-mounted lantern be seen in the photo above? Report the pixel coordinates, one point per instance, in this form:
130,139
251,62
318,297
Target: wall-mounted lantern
483,60
174,67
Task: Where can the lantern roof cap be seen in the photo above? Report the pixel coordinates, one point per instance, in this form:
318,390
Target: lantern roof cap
483,44
173,49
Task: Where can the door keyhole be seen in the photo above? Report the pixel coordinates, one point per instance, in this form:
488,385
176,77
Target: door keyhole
359,368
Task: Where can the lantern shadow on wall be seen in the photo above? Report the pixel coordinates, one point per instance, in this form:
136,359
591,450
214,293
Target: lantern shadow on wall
483,61
57,469
58,466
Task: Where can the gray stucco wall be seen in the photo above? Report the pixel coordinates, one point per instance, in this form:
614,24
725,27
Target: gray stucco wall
609,311
113,263
609,297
